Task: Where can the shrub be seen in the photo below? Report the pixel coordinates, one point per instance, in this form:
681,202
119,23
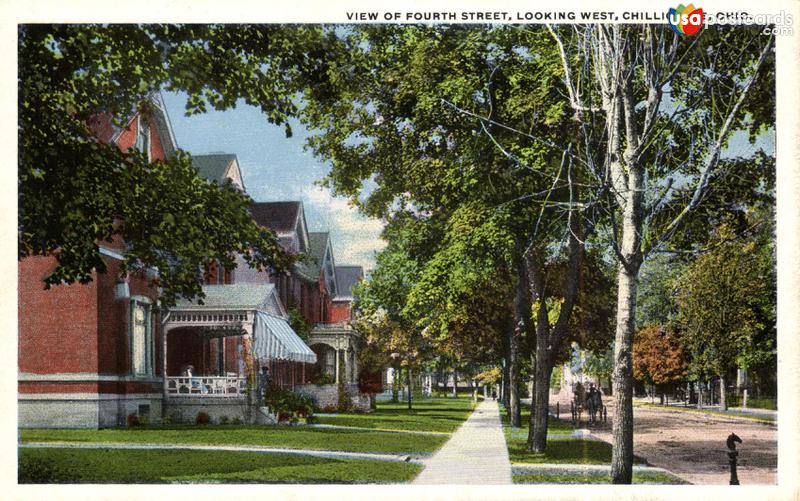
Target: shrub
202,418
288,405
224,420
36,470
321,379
237,420
133,420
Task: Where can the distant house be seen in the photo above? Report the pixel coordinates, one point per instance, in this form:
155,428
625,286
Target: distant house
335,341
317,288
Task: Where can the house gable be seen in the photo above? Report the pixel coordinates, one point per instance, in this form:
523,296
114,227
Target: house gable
219,167
321,250
287,220
234,173
160,139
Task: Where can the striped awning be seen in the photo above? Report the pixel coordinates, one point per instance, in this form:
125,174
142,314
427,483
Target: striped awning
274,339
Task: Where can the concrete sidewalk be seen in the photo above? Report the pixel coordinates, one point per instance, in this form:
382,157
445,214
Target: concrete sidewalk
475,454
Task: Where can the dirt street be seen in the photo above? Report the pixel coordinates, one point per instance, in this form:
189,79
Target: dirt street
692,444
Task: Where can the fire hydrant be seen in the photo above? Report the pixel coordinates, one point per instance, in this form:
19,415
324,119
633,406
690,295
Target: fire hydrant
732,456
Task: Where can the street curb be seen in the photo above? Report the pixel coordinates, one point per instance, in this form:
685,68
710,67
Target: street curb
594,470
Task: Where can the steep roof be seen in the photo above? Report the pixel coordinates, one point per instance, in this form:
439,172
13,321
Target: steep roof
346,278
317,243
280,217
213,167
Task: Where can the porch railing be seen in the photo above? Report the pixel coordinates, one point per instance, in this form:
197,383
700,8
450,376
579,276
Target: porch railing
207,386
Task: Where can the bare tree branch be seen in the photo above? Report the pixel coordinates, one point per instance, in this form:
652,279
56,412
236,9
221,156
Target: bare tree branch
574,98
712,160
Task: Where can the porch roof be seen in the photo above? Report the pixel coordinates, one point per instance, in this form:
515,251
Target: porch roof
230,297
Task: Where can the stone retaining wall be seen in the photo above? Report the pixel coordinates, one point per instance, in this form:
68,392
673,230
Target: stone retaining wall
185,409
327,395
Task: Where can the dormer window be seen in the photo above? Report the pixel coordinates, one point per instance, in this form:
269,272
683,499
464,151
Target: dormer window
143,137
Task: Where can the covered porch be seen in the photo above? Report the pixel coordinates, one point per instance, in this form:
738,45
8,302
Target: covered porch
220,351
336,348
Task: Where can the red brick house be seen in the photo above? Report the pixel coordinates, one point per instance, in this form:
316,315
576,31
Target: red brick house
104,351
92,359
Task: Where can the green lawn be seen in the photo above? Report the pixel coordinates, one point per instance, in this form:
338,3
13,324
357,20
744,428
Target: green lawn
554,426
157,466
648,477
762,418
560,448
274,436
435,414
754,403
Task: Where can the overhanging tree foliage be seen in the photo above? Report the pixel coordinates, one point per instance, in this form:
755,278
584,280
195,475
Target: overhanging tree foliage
75,191
434,116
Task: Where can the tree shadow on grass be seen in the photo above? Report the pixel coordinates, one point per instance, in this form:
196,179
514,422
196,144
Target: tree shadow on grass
165,466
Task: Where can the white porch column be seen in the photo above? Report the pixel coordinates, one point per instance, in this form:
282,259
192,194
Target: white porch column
348,374
337,365
355,365
165,383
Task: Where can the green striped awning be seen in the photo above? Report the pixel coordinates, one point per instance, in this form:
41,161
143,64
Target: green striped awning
273,338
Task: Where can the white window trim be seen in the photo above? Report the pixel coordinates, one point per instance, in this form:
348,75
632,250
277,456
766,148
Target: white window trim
147,146
149,338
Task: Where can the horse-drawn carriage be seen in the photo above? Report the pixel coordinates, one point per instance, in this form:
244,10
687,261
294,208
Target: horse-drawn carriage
590,401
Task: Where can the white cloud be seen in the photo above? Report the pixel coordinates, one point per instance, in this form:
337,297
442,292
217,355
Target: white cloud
355,237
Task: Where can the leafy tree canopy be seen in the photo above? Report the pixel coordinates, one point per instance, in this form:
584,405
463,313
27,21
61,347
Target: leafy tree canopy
659,356
727,302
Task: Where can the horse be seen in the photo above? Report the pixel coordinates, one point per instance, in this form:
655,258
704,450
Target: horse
594,403
578,402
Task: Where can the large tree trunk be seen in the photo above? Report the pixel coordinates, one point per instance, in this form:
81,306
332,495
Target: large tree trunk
540,401
455,384
408,386
622,430
548,340
520,313
505,386
629,185
723,402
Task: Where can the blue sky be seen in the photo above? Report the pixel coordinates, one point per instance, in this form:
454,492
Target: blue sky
277,168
